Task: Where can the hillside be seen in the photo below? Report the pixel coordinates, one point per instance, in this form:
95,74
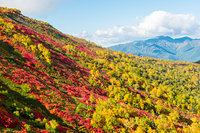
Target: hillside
164,47
54,82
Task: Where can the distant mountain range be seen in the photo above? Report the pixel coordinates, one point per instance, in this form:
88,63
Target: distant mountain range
164,47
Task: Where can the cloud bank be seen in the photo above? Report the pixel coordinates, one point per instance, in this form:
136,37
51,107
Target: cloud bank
39,8
155,24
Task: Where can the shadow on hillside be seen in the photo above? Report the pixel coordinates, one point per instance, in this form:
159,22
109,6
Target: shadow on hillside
33,104
10,54
8,50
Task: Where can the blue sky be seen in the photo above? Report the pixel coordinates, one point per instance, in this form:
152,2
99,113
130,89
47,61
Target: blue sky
110,22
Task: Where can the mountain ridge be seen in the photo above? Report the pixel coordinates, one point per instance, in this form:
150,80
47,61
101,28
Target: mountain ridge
174,47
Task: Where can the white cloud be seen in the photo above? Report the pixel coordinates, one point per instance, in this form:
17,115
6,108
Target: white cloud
84,34
161,22
32,7
157,23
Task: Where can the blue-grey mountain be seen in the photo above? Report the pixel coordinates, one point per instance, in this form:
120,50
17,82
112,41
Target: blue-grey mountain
164,47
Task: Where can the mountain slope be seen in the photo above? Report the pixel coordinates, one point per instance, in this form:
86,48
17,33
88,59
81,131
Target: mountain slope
53,82
167,48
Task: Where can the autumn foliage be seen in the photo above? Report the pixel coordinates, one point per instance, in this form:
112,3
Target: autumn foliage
54,82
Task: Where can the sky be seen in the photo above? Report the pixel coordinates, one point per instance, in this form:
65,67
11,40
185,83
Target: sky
112,22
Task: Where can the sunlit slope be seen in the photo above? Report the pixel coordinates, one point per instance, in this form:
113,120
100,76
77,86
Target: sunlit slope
53,82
